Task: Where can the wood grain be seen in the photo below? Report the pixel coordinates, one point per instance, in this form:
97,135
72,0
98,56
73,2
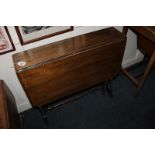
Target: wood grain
66,47
9,117
146,31
69,66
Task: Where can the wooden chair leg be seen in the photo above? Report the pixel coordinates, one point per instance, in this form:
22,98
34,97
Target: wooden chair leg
130,77
140,83
147,71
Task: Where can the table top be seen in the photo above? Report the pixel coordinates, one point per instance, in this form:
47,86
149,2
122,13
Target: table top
66,47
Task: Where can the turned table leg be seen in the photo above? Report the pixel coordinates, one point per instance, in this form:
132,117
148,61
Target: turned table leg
107,87
44,116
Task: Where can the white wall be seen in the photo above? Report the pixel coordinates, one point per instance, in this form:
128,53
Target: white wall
7,72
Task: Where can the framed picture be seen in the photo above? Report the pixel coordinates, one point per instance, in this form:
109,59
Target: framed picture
29,34
6,44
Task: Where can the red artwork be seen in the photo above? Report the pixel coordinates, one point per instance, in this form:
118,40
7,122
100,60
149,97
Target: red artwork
3,41
6,44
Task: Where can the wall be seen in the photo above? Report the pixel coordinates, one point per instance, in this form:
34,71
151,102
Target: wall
7,71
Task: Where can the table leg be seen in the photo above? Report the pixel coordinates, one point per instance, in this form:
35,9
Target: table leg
107,87
147,71
44,115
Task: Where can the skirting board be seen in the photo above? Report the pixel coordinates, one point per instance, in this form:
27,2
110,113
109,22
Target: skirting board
23,107
139,57
132,62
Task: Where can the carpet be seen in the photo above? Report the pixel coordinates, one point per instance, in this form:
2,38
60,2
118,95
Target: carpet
99,111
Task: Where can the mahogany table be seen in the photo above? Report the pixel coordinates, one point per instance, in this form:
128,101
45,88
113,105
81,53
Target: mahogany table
62,69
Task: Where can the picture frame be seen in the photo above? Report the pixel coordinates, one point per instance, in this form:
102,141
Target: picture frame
6,43
30,34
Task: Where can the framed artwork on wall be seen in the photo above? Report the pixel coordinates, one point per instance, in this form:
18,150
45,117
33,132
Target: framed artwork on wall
29,34
6,44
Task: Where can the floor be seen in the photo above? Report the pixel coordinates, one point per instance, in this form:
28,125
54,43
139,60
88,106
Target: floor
99,111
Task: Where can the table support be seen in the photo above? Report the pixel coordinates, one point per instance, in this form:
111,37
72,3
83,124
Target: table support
139,83
107,88
147,71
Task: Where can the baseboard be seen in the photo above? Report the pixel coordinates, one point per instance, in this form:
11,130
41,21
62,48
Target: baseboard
138,58
131,62
23,107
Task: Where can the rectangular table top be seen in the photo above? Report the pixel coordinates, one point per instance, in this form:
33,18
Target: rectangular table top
66,47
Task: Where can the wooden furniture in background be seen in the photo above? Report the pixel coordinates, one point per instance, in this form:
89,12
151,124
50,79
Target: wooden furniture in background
61,69
146,43
9,117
